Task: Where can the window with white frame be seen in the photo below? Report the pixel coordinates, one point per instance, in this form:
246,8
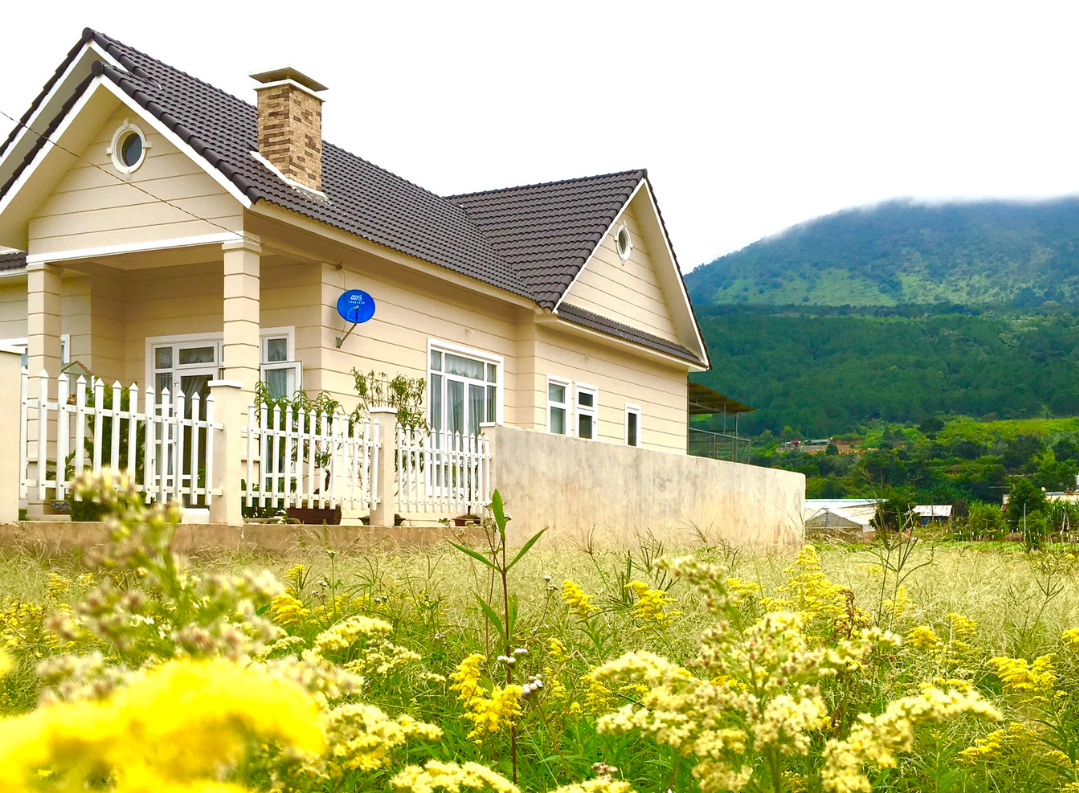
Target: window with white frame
587,403
24,345
279,371
558,414
633,425
463,388
189,363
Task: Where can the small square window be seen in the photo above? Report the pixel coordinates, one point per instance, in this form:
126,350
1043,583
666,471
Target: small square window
556,392
276,350
436,361
163,358
492,375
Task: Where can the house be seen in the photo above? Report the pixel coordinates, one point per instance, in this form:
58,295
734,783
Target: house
842,515
168,235
927,514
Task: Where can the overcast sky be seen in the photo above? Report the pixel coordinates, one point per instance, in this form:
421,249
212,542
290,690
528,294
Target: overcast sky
749,116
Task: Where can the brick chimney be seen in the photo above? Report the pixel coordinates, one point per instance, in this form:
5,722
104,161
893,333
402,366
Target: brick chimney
290,124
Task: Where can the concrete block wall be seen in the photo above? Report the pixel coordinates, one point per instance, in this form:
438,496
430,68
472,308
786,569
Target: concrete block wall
619,493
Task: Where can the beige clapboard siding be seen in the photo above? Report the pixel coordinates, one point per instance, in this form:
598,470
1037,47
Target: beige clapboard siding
628,292
13,309
289,298
659,391
410,311
92,205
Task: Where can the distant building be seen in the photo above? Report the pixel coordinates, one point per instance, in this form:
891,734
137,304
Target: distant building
840,514
933,513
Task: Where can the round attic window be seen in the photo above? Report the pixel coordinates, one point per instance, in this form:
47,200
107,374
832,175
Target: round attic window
128,149
623,242
131,150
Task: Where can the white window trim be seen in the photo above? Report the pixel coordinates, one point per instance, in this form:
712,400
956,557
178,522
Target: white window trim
114,147
65,346
567,405
635,410
624,256
439,345
219,340
593,411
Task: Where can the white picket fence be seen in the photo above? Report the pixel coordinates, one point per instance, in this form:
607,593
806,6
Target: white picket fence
176,458
440,472
301,459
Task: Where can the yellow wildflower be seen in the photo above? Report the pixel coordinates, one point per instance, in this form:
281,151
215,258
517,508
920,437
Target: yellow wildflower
1019,675
344,634
56,585
577,601
877,740
901,607
556,649
176,725
650,606
467,677
490,714
451,778
6,664
741,591
361,737
923,637
1016,736
1071,638
287,610
811,591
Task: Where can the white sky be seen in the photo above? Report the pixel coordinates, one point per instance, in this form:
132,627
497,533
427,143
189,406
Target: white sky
749,116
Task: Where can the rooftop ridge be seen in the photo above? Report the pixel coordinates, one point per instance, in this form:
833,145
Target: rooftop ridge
614,174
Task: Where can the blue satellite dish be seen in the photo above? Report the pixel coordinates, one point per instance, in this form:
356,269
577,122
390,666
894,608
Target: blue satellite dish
356,306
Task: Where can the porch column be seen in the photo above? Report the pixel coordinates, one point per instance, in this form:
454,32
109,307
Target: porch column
43,318
241,313
43,311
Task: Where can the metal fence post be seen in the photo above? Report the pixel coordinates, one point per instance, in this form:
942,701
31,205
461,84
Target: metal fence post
383,513
10,432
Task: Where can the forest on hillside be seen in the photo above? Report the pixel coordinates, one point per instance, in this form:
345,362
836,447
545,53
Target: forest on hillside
824,374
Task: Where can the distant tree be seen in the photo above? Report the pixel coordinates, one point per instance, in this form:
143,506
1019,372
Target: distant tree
1054,474
1026,499
832,449
1020,451
932,425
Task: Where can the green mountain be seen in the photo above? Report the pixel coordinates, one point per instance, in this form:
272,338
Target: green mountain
1019,254
899,312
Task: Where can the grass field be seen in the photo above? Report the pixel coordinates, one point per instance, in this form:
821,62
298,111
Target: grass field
964,660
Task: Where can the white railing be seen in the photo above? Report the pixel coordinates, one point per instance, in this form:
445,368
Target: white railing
102,426
442,472
301,459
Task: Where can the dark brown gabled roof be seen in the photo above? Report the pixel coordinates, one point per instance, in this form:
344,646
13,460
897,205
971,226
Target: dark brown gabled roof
587,319
548,231
13,260
530,241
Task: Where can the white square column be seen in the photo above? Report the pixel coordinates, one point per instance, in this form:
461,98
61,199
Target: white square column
43,311
241,313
